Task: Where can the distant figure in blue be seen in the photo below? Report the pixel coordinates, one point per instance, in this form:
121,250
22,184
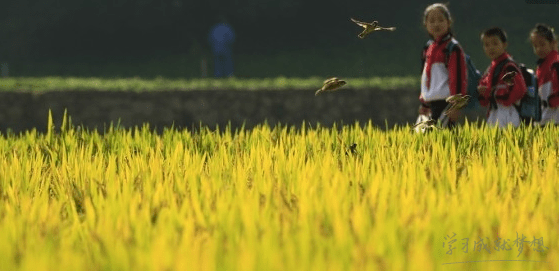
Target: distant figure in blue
221,39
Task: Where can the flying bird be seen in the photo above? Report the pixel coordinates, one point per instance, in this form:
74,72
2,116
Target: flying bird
456,102
370,28
427,125
508,78
458,98
331,84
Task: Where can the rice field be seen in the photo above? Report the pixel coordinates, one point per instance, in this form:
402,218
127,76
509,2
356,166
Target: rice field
280,198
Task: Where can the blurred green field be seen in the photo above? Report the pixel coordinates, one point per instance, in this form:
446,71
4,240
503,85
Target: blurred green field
160,83
354,61
279,198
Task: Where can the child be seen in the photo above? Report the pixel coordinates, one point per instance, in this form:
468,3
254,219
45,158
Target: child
441,77
493,91
544,42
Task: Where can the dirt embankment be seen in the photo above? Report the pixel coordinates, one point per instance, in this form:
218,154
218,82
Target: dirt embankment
20,111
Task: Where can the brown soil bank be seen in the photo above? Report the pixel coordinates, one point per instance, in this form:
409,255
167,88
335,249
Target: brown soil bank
94,109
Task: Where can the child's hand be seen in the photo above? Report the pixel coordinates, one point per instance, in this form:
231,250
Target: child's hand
481,89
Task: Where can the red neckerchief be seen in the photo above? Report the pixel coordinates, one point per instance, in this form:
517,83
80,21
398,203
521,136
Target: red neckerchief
434,47
544,66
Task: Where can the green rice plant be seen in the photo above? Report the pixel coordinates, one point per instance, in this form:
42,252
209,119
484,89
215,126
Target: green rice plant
279,198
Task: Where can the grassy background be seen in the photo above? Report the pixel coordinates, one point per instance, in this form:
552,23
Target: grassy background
356,61
160,83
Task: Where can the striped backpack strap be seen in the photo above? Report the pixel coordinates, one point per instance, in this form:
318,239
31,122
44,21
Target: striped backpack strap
423,53
450,46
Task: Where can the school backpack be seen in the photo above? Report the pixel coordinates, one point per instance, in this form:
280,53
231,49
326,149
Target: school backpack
530,105
473,77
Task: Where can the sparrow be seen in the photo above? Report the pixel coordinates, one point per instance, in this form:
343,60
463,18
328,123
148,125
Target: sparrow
457,102
370,28
351,149
457,98
508,78
330,84
426,125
